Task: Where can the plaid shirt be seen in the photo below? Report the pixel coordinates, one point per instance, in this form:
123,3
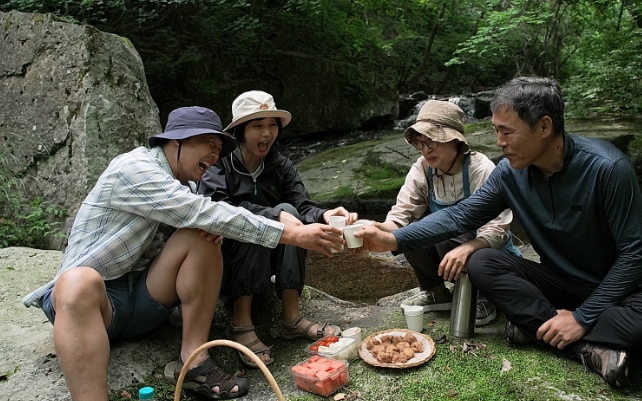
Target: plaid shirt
118,220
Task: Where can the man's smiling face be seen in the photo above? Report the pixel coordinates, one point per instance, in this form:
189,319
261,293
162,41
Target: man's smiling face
198,153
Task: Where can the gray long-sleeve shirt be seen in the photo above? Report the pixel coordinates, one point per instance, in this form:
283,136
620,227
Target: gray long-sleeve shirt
585,220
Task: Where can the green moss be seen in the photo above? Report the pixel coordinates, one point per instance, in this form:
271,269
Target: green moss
340,193
39,17
485,125
336,155
127,42
8,22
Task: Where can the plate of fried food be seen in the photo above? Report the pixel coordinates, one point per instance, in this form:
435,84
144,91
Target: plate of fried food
397,348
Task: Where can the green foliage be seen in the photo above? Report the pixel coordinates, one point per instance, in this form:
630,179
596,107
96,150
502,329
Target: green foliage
23,223
202,51
609,65
28,224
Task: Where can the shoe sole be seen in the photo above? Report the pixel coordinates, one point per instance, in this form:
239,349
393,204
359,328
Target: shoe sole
624,369
486,320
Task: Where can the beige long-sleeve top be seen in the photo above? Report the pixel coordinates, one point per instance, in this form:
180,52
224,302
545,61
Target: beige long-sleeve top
413,199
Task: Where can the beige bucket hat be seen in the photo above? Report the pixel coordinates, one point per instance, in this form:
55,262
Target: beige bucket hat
440,121
256,104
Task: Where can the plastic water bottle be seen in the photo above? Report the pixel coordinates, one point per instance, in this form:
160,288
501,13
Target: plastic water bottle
146,393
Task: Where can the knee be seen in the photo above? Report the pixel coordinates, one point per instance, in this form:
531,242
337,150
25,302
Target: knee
288,208
476,262
478,267
78,288
195,239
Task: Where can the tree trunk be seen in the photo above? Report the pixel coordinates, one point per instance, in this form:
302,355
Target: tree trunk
412,81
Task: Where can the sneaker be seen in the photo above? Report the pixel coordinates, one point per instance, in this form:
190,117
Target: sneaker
611,364
515,336
486,312
430,300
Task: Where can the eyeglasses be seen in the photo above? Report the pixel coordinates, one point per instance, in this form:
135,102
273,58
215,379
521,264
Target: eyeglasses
430,144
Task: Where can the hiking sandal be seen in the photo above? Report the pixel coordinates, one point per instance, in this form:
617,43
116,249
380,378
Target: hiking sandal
255,346
290,331
203,377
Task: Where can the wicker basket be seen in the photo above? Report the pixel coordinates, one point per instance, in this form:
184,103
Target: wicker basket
232,344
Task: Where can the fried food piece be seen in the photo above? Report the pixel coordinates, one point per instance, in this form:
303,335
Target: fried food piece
399,357
397,339
384,357
371,343
387,338
402,344
409,338
377,349
408,352
391,349
417,346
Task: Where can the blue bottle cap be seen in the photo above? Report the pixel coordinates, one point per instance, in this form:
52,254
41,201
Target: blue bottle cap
146,393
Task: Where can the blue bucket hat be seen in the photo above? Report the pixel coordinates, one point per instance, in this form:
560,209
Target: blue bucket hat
186,122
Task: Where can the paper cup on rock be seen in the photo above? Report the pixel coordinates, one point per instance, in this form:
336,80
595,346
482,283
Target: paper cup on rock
353,332
414,317
351,240
337,221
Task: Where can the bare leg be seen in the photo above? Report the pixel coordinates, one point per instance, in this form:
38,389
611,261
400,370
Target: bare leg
189,268
83,312
242,317
290,310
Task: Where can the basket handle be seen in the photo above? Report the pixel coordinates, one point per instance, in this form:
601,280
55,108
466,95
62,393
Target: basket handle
232,344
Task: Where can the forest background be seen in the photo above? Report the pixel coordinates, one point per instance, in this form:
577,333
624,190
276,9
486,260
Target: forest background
194,49
202,51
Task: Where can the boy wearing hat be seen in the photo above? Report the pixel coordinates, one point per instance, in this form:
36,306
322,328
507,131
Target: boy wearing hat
446,173
580,204
115,281
257,177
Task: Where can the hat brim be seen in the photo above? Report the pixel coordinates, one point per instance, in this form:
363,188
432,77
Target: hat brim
285,117
229,143
440,134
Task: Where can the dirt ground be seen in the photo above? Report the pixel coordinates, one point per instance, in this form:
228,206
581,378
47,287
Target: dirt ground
360,279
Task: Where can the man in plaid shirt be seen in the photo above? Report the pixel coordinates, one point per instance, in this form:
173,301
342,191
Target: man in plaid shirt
115,281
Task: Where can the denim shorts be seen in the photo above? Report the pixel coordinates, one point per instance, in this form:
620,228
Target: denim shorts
134,311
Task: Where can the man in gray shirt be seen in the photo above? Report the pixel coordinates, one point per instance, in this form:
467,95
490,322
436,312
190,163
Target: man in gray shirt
580,204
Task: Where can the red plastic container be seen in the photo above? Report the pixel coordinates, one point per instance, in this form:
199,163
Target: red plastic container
320,375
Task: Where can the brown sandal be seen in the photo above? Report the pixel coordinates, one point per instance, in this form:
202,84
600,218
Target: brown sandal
290,331
203,377
255,346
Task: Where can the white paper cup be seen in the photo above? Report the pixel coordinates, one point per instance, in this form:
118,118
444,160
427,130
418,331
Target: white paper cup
351,240
337,221
353,332
414,317
364,222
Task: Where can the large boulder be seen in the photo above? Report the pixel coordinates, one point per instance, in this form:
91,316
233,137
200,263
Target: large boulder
71,98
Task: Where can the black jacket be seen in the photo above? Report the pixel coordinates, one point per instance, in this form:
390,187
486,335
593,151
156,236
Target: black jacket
279,182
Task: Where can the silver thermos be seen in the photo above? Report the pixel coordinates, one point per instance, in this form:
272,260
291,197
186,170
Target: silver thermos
464,307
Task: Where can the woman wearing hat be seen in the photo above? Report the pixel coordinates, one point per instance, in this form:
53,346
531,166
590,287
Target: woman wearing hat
257,177
446,173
